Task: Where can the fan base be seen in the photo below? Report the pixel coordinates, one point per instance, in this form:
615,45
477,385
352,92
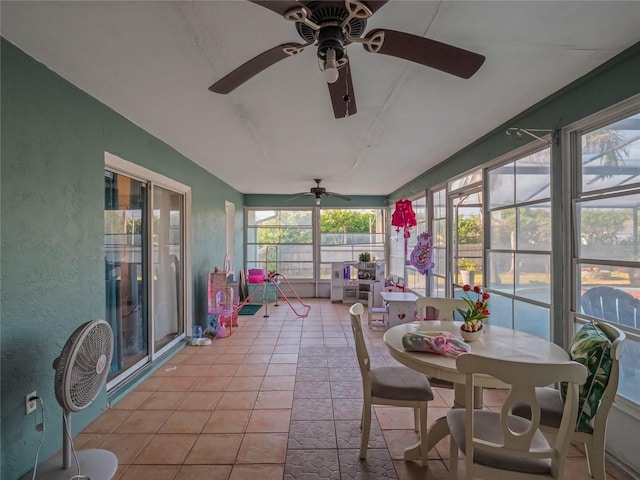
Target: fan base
95,463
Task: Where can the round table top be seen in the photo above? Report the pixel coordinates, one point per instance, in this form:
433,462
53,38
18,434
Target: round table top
399,296
498,342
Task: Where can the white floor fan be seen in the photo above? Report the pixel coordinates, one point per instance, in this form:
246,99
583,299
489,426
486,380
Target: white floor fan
81,371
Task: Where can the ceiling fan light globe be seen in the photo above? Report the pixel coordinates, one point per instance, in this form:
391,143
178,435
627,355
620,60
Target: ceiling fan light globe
331,74
318,201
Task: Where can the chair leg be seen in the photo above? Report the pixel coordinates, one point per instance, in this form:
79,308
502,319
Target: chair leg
453,458
365,428
423,432
416,419
595,459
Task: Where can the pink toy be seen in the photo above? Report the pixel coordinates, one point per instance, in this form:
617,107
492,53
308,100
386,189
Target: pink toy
443,343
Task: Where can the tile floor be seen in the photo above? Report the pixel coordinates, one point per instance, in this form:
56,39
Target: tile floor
278,399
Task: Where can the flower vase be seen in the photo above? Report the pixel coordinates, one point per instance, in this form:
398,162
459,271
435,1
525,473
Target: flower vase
471,336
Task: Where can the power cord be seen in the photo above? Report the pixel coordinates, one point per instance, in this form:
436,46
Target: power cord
35,467
44,431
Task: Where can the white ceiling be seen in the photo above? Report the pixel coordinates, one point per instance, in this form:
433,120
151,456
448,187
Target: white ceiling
153,62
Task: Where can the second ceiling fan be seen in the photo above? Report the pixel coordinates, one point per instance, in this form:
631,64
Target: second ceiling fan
331,26
318,192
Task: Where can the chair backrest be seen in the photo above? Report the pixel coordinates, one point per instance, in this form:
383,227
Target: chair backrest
446,306
517,433
617,338
613,305
364,362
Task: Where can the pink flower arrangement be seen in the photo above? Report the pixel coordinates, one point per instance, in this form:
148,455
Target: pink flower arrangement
477,308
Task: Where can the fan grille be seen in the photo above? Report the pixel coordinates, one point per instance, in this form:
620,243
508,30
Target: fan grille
325,13
83,365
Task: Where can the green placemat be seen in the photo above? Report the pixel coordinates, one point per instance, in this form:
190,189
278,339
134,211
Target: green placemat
249,309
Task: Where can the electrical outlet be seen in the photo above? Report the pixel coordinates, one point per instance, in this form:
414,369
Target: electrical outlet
29,404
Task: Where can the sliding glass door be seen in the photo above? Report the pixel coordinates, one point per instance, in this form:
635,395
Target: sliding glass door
168,315
145,271
125,224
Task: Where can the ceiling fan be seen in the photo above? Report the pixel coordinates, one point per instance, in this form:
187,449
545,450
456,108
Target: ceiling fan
318,192
332,26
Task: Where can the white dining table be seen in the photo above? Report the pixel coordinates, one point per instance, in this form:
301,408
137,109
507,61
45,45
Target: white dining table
401,306
497,342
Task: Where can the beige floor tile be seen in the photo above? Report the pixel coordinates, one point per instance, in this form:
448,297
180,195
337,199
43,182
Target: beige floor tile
185,422
251,370
108,421
237,349
244,434
166,449
227,421
262,349
275,399
255,472
398,440
257,358
151,384
126,446
280,382
264,421
215,383
211,449
134,400
204,472
155,472
241,384
281,369
177,384
199,401
88,440
287,348
493,397
204,359
144,421
395,418
230,358
263,448
162,401
237,401
277,358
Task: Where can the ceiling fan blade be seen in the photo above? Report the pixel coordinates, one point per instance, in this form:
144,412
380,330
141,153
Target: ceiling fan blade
279,7
431,53
337,195
301,194
254,66
342,97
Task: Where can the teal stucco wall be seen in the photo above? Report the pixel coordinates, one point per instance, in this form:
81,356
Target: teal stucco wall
54,137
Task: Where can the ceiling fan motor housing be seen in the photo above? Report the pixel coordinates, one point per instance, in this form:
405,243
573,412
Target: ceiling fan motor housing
329,16
330,37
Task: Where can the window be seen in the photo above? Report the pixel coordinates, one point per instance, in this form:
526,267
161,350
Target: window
281,241
415,280
606,212
439,232
346,233
519,253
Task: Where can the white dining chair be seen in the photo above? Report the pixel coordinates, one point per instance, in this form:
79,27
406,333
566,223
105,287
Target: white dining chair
440,308
377,312
593,435
499,445
396,386
446,307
